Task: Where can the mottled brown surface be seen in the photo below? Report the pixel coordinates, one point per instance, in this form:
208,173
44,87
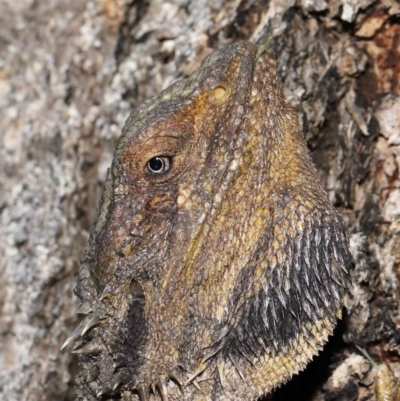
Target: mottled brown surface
216,256
71,72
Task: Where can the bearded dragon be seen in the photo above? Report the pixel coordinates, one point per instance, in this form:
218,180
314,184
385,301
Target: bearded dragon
216,267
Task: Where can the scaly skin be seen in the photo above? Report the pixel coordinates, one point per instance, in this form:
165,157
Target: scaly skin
224,272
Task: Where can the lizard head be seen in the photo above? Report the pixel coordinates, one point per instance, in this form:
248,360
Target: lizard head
216,267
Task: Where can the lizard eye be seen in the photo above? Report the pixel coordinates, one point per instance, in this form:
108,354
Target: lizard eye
159,165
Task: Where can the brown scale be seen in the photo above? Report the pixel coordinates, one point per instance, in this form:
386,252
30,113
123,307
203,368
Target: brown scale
216,267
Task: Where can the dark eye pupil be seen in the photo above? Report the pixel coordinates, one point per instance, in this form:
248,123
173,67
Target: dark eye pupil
156,164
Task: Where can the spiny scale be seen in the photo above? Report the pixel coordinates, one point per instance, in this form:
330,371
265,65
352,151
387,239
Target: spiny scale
215,249
144,393
89,348
162,388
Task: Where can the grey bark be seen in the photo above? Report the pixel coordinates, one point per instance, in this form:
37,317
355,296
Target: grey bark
70,72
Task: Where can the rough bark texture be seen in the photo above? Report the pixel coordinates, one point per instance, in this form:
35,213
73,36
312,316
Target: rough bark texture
70,72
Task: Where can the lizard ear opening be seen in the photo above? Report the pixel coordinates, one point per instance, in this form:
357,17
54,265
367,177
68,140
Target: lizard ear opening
221,93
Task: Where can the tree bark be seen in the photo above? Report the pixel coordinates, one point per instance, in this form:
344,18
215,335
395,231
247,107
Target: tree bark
71,71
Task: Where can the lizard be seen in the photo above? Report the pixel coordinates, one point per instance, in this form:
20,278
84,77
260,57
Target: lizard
216,267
